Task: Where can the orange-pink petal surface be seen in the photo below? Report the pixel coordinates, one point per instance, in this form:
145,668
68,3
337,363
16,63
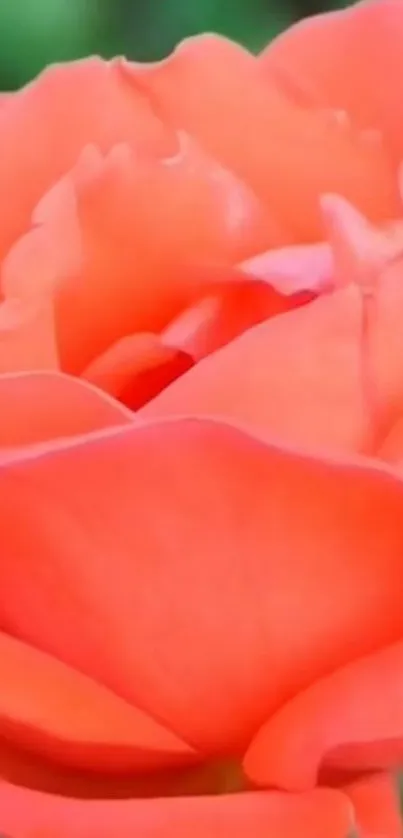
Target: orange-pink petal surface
220,573
352,720
53,710
294,269
328,374
33,815
112,521
93,99
296,377
122,234
137,367
27,335
40,406
376,804
235,305
289,174
348,60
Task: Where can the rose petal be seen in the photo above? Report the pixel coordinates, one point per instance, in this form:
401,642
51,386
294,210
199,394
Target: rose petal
216,320
377,806
348,60
231,216
353,720
373,260
328,374
291,270
137,367
37,407
315,815
391,446
55,711
160,560
121,234
296,377
93,98
251,127
27,335
360,251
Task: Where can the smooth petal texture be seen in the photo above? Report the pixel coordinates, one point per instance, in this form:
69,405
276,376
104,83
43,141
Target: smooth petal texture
233,95
348,60
391,446
371,259
127,230
40,406
55,711
239,224
351,720
324,813
137,368
28,339
360,251
27,335
296,377
98,531
328,374
93,98
219,318
384,346
295,269
377,806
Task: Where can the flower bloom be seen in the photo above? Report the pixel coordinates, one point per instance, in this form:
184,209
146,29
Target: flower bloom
201,440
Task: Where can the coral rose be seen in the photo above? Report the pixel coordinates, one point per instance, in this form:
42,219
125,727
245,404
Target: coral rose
201,434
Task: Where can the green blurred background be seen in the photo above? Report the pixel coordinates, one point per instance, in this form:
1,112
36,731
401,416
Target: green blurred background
34,33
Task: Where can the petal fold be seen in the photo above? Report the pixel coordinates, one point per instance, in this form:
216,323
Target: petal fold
296,378
328,374
352,720
137,367
376,805
164,218
238,304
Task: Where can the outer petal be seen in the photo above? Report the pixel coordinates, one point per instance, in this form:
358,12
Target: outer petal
123,233
209,548
349,60
251,127
37,407
55,711
93,98
351,720
377,806
323,813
